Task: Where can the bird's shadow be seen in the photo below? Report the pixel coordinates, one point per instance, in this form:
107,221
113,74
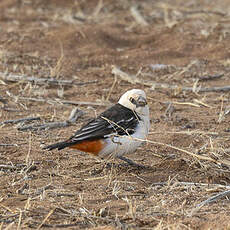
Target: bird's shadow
121,167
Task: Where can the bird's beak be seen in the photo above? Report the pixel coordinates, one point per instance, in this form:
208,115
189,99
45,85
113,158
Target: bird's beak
141,102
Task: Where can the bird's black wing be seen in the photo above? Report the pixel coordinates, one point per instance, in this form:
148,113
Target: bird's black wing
117,120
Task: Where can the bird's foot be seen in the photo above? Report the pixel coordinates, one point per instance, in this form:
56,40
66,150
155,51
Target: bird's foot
130,162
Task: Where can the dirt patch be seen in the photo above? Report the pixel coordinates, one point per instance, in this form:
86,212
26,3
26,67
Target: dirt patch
178,52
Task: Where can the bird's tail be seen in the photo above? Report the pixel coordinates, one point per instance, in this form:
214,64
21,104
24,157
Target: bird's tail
59,145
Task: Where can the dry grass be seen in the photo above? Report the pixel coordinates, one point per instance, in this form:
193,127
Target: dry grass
176,53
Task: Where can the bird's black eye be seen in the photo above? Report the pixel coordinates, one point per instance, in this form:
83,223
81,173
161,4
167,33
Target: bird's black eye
132,100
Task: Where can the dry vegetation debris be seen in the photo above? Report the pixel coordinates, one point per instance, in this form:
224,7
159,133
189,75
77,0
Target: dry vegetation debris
80,56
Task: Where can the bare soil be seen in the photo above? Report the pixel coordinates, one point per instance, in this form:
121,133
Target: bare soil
188,149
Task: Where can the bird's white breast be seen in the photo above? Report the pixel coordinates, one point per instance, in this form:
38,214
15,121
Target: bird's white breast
119,145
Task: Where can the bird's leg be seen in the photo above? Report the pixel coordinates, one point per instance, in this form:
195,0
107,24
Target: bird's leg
130,162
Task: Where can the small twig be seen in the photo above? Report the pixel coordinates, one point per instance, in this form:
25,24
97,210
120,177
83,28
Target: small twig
65,194
169,21
56,70
46,218
83,103
95,178
182,183
210,89
112,87
137,16
49,125
124,76
74,115
201,90
58,101
169,111
98,8
52,81
19,220
11,167
210,77
8,218
186,132
18,167
189,11
213,198
56,226
8,145
20,120
10,109
214,89
210,200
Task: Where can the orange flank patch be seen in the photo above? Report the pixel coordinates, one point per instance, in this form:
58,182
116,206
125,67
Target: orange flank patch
92,147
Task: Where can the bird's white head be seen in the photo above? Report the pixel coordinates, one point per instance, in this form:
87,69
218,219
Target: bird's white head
135,100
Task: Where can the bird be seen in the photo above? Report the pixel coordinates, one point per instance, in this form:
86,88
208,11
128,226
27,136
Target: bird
117,131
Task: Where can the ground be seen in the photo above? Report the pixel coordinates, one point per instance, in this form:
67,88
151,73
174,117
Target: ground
177,51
